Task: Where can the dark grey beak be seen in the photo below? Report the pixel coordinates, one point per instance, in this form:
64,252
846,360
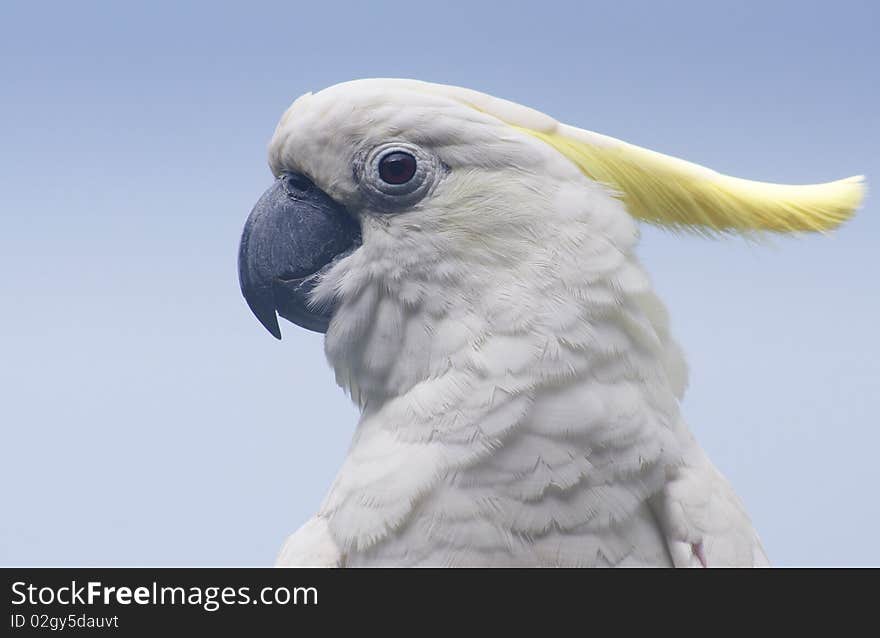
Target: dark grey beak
294,231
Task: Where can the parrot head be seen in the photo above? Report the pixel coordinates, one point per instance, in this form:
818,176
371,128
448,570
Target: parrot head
406,215
418,180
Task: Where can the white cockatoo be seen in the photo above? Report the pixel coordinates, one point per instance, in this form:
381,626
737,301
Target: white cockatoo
472,263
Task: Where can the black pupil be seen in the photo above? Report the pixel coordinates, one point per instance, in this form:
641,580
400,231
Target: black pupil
397,168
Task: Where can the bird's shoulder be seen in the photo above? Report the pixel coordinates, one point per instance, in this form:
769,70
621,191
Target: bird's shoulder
703,520
312,545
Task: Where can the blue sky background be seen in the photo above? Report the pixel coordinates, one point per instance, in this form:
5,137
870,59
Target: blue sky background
147,418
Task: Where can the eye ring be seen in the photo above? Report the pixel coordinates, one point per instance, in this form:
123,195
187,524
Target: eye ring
396,175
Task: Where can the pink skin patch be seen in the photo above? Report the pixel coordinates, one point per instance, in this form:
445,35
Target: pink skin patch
698,552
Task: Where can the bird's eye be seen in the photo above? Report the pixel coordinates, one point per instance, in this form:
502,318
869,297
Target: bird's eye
397,167
396,175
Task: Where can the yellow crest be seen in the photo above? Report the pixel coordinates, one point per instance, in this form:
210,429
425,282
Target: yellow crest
671,192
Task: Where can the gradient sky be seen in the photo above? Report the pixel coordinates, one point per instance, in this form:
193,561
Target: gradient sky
148,419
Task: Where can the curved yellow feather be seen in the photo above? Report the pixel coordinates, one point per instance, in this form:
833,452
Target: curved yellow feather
671,192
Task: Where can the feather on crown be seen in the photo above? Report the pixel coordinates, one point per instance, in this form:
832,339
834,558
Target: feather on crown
674,193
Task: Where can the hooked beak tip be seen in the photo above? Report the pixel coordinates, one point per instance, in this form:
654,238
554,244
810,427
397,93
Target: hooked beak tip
273,327
263,309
